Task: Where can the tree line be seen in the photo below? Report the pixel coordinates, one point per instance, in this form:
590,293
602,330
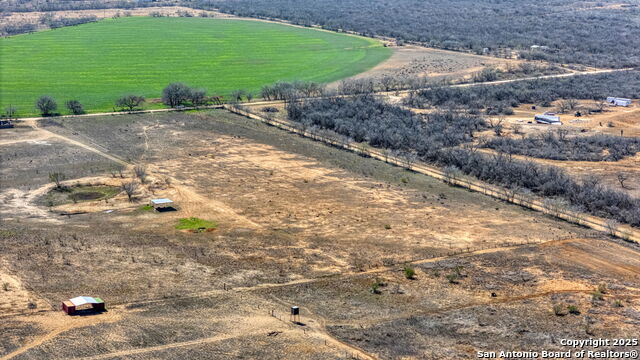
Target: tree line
444,139
175,95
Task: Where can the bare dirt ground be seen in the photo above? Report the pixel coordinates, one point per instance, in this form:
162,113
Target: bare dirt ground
417,61
299,224
612,120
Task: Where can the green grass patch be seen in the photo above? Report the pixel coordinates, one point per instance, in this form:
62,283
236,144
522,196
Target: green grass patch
80,193
98,62
194,223
146,207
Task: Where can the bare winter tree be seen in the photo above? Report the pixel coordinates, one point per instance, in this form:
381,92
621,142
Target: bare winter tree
47,105
10,112
622,177
130,188
563,106
237,95
141,173
130,101
601,104
175,94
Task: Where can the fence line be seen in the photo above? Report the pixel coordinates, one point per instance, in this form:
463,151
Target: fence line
528,201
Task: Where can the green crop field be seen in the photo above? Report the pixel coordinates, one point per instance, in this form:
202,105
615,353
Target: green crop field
98,62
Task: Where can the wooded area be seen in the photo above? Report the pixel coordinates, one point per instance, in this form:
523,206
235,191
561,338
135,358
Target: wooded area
500,98
574,32
442,138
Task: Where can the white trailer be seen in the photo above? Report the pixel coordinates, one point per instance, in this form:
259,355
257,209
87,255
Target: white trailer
616,101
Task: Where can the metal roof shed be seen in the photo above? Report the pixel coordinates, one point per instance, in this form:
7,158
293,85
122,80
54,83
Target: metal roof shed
70,306
161,203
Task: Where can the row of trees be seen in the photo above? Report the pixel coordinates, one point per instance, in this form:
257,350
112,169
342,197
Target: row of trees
443,139
288,90
47,21
48,106
179,94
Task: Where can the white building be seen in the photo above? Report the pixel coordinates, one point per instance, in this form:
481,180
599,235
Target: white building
616,101
548,119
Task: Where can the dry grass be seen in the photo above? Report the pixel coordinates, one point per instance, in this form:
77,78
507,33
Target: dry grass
299,224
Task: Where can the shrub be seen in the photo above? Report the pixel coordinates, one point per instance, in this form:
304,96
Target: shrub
198,97
375,287
602,288
409,272
270,109
597,296
75,107
573,309
558,310
453,278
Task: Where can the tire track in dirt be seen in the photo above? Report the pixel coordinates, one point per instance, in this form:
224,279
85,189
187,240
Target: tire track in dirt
321,330
506,300
176,345
58,324
34,125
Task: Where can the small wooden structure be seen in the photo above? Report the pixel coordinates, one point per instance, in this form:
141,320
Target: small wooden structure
162,204
295,313
71,306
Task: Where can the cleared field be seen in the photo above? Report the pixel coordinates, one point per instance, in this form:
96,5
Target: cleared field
97,63
299,223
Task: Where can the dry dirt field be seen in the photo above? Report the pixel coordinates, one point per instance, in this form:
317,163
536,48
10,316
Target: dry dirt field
300,223
416,61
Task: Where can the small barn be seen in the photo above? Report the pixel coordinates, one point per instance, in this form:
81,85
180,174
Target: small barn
616,101
162,204
548,119
71,306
